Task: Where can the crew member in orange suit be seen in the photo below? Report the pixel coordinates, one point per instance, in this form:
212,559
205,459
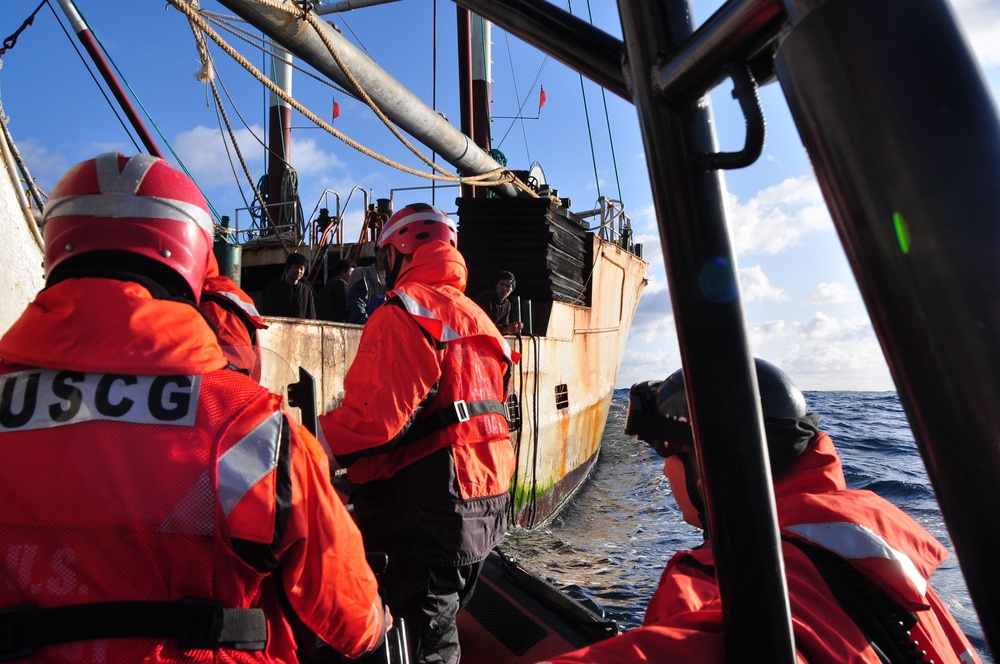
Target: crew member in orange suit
423,431
857,567
235,318
149,490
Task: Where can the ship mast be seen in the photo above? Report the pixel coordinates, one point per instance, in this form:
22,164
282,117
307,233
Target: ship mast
83,32
281,211
399,104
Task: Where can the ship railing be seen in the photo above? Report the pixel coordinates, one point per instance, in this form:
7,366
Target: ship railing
614,225
284,226
326,230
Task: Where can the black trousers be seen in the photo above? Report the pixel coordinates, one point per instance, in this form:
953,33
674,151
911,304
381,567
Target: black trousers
428,599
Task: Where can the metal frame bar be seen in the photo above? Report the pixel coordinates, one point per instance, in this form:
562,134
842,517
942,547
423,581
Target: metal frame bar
916,208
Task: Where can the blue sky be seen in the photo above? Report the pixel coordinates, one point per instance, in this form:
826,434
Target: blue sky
802,305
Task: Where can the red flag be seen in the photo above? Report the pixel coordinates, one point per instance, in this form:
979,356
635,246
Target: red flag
541,98
336,110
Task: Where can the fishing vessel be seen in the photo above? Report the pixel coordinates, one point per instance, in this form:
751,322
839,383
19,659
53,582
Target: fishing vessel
905,142
579,276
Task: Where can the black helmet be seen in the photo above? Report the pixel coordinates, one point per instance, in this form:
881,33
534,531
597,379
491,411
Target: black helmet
779,398
788,424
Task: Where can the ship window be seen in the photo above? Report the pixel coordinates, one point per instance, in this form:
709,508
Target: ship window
514,411
562,396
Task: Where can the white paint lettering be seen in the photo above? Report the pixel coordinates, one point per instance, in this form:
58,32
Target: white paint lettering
39,399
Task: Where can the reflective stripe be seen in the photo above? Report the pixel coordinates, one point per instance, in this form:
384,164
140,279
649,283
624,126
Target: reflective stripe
853,541
507,351
194,514
247,308
417,309
248,461
117,199
426,214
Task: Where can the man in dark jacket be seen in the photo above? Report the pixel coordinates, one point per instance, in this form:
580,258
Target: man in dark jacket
366,289
331,302
290,296
496,303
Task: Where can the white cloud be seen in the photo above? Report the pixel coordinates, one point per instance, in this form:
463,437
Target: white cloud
755,286
980,20
824,328
203,150
824,353
653,316
771,330
309,159
819,328
777,218
832,293
644,223
654,364
827,366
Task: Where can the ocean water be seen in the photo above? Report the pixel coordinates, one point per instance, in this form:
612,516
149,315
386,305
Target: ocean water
610,543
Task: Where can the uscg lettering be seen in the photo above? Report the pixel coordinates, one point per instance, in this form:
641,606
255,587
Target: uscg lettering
42,398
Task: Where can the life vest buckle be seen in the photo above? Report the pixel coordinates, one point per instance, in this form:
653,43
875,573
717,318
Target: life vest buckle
200,625
17,628
461,410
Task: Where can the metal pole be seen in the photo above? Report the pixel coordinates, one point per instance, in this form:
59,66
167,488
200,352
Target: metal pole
565,37
399,104
905,141
718,366
87,39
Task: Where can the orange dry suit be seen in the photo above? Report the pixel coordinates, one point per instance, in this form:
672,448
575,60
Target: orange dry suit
236,320
148,493
422,429
862,546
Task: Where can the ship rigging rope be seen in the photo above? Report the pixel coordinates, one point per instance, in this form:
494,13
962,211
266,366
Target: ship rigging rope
8,150
259,43
607,118
206,74
492,178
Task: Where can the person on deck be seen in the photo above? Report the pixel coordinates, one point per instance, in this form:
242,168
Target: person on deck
290,296
366,289
496,303
857,567
148,490
331,302
423,432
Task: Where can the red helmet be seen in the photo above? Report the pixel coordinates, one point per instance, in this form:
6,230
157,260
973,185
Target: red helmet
416,225
134,204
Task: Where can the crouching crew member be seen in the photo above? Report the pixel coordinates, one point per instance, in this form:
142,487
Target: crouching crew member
857,567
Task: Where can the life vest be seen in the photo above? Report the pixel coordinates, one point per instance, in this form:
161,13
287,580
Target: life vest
133,516
147,494
467,407
236,320
846,553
